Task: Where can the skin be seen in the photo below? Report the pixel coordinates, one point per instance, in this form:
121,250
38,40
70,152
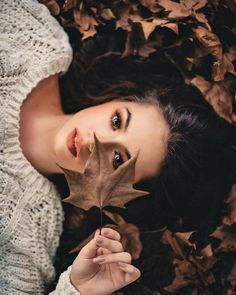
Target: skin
44,130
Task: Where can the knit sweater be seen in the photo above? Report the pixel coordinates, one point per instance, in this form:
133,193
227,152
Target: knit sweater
33,46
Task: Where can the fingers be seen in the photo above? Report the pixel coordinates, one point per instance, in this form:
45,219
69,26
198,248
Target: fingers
112,245
108,240
123,260
110,233
132,273
90,250
114,257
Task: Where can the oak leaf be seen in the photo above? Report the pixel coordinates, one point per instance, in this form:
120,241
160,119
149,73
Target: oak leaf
100,185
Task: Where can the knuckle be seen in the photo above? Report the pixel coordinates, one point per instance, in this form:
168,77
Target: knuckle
128,256
118,246
118,236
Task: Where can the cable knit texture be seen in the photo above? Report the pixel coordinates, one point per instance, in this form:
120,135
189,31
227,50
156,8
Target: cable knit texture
33,46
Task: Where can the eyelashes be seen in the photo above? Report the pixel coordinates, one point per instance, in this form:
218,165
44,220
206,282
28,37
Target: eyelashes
117,160
116,123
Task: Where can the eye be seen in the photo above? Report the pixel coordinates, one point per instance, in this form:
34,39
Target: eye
116,121
117,160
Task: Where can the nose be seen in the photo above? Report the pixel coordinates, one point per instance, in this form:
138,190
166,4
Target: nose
103,138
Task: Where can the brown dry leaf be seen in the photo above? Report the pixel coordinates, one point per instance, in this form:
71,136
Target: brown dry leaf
193,4
210,41
207,251
123,21
232,276
107,14
69,4
100,185
85,23
201,83
136,44
148,28
185,274
152,5
231,201
176,10
195,271
227,235
223,66
169,239
217,95
184,237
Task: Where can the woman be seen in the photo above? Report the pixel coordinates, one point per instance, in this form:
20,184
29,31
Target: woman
36,135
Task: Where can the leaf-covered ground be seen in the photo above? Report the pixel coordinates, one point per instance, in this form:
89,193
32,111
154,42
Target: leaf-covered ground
198,38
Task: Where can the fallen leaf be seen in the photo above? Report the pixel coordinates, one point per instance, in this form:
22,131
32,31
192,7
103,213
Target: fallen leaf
218,95
176,10
210,41
185,274
136,44
169,239
69,4
152,5
231,201
107,14
85,22
184,237
223,66
100,185
148,28
227,235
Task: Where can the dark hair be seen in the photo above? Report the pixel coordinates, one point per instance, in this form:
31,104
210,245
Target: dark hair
198,170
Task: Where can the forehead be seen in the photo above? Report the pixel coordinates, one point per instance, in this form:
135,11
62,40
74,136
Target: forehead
147,134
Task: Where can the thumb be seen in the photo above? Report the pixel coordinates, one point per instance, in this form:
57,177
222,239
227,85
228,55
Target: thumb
90,250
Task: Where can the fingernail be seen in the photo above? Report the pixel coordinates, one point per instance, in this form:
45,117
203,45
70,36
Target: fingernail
121,264
99,259
99,240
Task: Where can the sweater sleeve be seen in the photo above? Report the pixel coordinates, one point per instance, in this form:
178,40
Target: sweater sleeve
64,286
32,42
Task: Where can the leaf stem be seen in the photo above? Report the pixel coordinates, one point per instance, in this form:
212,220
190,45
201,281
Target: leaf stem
100,228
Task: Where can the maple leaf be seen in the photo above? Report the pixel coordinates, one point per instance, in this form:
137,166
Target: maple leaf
100,185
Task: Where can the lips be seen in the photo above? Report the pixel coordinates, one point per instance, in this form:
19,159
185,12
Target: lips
73,142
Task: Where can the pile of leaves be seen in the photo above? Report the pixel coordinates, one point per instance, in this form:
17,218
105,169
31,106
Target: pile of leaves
198,38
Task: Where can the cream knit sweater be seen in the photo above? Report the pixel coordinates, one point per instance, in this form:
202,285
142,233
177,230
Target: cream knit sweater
33,46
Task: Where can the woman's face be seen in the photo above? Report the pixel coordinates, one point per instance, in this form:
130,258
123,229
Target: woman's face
124,128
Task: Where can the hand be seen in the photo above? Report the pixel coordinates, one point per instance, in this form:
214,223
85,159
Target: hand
102,266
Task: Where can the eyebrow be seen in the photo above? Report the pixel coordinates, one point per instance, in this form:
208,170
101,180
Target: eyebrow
128,118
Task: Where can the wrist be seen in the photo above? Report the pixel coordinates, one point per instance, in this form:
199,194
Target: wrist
84,288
